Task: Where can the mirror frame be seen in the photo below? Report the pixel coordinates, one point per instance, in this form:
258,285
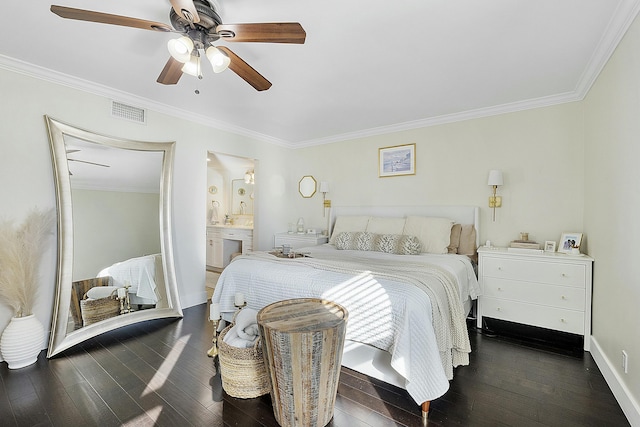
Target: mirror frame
304,181
60,339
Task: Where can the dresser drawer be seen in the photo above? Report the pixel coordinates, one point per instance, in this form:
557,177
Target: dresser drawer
237,234
568,297
535,315
535,271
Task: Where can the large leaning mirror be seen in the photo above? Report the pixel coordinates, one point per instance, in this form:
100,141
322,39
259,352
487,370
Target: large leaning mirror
115,257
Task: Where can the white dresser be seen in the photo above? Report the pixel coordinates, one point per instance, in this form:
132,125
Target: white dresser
296,240
549,290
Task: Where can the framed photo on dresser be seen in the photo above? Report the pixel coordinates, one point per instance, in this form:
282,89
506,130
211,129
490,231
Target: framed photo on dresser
569,241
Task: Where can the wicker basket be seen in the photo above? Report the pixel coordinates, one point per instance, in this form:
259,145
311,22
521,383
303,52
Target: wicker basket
95,310
242,369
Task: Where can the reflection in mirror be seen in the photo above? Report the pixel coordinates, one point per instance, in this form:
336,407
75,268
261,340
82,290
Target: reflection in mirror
241,197
307,186
114,237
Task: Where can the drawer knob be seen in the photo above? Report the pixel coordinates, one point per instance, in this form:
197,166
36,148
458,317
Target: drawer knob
563,297
498,309
499,268
563,320
563,275
499,289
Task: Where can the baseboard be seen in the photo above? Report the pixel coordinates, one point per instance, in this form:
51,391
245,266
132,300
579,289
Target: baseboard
629,406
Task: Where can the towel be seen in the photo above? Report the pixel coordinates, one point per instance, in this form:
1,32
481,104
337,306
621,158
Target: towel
244,333
214,212
231,338
247,323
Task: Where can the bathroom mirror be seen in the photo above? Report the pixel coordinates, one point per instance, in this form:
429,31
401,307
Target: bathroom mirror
114,234
307,186
242,195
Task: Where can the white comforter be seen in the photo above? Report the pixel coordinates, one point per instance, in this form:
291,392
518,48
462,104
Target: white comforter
139,273
389,299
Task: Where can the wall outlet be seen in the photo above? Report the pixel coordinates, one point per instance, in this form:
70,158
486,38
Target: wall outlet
625,362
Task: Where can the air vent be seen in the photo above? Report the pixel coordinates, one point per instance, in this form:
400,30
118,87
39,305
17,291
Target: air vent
127,112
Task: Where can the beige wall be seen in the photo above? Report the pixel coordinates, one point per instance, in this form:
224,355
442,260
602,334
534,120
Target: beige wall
539,151
612,208
122,225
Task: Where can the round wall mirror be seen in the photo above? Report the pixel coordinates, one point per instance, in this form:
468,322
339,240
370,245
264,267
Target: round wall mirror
307,186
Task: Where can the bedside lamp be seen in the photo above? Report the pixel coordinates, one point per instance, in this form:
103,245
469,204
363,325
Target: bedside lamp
495,180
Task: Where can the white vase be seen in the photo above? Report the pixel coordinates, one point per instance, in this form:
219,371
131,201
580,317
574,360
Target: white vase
22,341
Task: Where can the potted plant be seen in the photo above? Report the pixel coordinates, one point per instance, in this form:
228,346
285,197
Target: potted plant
21,250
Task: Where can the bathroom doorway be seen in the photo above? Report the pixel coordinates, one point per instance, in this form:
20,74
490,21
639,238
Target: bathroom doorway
230,211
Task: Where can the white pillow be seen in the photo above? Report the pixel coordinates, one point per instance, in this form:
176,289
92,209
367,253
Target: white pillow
349,223
382,225
434,233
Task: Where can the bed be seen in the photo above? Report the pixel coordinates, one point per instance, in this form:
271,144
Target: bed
407,308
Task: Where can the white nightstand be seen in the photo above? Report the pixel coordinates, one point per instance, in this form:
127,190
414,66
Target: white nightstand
549,290
296,240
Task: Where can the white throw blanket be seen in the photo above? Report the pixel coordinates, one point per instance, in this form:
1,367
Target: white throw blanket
244,333
447,312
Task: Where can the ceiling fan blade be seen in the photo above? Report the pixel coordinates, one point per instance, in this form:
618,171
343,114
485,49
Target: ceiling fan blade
89,163
246,71
107,18
277,32
171,72
186,9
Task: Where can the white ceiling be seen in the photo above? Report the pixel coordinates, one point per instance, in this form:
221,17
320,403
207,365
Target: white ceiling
367,66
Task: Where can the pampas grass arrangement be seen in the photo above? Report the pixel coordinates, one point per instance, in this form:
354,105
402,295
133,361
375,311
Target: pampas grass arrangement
21,249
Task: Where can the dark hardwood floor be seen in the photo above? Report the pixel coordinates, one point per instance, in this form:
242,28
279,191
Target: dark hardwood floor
157,373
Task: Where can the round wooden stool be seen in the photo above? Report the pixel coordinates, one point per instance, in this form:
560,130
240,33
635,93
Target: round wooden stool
303,341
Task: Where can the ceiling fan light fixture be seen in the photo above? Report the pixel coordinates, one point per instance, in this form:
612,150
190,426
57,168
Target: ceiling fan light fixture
180,48
219,60
192,67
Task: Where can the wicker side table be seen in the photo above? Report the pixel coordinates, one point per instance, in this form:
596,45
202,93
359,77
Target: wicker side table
303,341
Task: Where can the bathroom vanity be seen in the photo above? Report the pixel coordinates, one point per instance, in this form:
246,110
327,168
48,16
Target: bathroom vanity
225,240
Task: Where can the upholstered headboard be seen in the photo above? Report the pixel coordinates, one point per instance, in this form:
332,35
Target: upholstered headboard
459,214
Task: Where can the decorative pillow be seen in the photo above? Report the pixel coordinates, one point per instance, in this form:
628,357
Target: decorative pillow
358,241
348,223
454,240
390,243
467,240
434,233
385,225
397,244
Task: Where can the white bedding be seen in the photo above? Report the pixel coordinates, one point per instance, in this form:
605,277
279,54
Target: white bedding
139,272
384,311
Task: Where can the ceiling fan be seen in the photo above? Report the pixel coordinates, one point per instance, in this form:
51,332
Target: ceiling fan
200,26
84,161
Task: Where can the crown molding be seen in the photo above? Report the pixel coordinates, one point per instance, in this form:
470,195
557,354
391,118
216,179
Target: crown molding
73,82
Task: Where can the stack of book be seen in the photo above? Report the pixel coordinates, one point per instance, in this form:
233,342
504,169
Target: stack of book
524,246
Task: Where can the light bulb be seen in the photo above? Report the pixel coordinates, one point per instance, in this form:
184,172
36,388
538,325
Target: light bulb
192,67
219,60
181,48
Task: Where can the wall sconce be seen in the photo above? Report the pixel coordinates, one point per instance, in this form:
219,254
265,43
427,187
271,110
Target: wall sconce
324,189
495,179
